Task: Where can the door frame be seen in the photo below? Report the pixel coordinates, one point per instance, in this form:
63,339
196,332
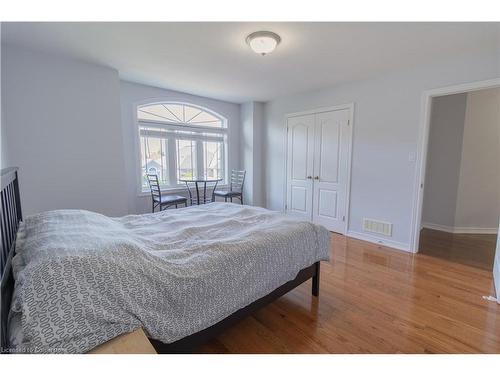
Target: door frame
423,144
350,107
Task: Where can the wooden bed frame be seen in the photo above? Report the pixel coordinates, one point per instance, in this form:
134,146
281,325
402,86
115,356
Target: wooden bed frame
11,216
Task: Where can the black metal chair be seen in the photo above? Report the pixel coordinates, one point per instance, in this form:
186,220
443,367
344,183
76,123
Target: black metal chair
163,201
235,187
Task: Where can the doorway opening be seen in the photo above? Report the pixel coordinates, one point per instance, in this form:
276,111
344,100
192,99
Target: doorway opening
460,198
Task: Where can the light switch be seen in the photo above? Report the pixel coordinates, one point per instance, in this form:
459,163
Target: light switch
412,156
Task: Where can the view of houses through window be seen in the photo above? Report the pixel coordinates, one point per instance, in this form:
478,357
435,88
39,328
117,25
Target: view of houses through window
186,159
180,141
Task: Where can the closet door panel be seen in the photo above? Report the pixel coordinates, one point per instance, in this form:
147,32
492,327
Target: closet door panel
329,150
300,154
330,169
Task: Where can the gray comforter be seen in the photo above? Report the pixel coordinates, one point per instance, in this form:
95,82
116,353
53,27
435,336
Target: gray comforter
83,278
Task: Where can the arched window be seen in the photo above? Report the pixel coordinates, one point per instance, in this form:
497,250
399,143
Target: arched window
181,140
180,113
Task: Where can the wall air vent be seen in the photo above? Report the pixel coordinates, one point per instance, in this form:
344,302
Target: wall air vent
376,226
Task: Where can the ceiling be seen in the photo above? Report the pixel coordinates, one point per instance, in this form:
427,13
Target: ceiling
212,59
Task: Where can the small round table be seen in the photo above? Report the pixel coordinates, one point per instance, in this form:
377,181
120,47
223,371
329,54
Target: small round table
196,182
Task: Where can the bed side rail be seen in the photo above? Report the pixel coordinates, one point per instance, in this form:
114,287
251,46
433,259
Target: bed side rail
10,218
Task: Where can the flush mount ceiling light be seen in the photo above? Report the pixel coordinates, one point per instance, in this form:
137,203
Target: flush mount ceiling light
263,42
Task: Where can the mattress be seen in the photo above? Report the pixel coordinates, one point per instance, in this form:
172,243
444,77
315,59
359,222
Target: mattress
82,278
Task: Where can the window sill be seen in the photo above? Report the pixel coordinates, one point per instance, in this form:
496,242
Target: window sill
177,190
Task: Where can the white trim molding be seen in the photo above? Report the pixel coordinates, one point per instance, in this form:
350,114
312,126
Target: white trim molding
379,241
423,140
460,230
321,110
496,268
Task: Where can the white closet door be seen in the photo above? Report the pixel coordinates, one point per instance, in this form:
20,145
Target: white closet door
300,166
331,169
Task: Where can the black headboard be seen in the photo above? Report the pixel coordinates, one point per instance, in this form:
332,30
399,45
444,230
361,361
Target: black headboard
10,218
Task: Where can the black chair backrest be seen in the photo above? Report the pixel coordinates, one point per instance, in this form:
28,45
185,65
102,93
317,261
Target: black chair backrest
154,185
237,181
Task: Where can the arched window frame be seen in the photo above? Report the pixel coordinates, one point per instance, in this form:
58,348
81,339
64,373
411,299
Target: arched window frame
172,132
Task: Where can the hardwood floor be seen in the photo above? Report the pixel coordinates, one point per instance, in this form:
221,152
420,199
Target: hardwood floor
477,250
375,300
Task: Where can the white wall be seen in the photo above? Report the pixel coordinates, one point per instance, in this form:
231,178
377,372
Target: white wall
443,159
252,119
62,123
4,159
133,94
478,197
70,128
387,119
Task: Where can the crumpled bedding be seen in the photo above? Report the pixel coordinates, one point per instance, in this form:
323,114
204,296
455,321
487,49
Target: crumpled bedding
83,278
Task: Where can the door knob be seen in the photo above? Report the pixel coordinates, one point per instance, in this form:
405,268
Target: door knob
309,177
316,178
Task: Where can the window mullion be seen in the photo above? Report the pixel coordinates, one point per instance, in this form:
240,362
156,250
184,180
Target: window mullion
199,159
172,161
144,170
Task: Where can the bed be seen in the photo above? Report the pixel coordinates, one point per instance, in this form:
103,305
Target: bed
73,279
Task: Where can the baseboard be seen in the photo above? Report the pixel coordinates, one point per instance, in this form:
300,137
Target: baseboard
460,230
379,241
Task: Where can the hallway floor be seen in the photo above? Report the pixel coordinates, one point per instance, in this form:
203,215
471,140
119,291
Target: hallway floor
476,250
